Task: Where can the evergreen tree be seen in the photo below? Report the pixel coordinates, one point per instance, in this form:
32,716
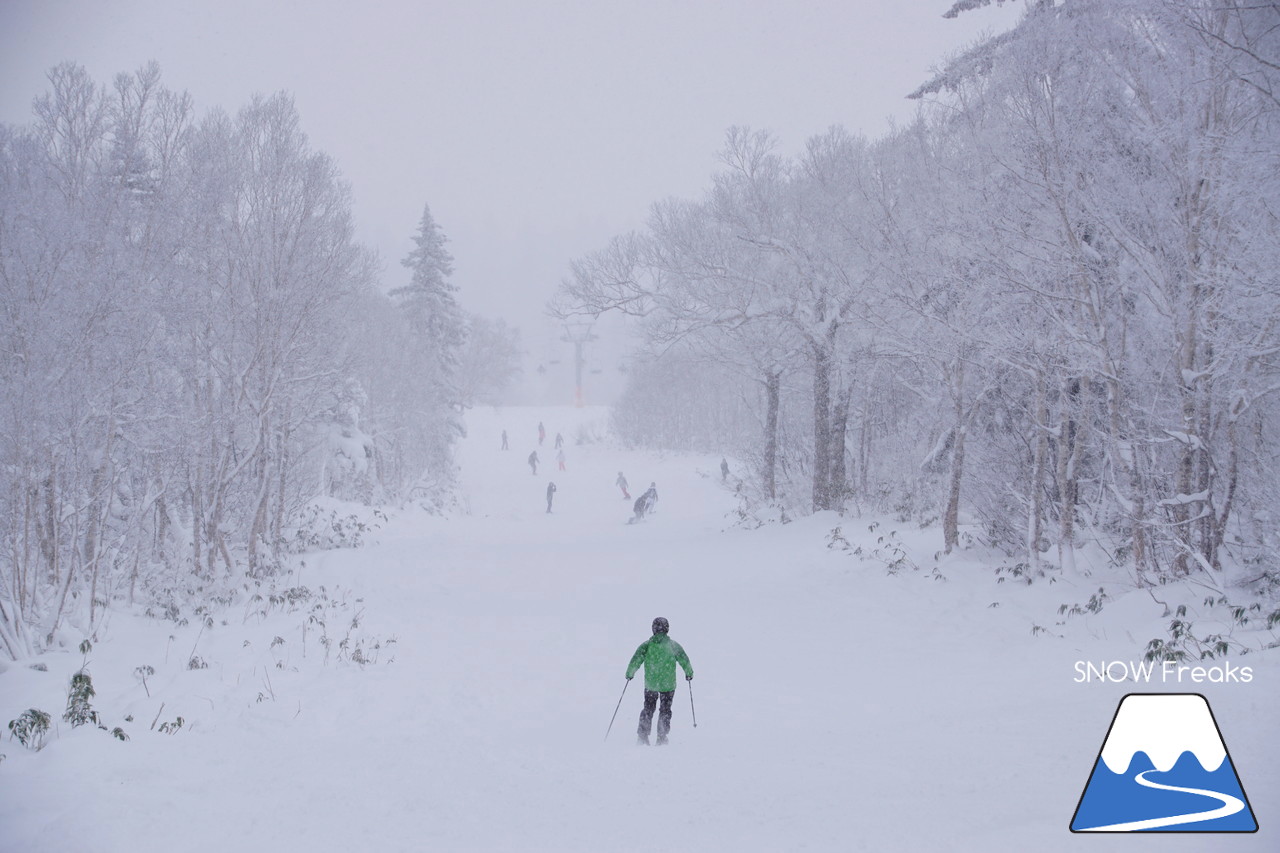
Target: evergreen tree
437,331
429,304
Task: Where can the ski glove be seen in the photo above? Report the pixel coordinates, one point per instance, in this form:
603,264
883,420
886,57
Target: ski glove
688,678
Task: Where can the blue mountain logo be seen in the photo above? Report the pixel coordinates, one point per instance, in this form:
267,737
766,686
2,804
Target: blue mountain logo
1164,768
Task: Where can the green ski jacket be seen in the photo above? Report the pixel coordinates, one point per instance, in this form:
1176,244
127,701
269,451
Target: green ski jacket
660,654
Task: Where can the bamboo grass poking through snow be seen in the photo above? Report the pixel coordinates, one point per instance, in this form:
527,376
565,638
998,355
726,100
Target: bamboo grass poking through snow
157,719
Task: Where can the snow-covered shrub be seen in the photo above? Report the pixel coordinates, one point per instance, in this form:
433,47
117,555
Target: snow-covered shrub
79,708
142,673
1093,605
171,728
752,513
1229,631
321,528
30,728
887,550
348,471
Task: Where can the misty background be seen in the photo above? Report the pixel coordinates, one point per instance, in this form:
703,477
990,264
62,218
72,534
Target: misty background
535,131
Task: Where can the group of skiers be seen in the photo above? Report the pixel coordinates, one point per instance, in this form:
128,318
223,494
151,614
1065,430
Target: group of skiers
533,459
644,505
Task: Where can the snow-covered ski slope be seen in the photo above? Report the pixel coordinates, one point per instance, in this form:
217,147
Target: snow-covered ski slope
838,708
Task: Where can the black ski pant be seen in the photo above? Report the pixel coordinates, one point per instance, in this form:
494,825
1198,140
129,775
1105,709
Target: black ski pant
664,713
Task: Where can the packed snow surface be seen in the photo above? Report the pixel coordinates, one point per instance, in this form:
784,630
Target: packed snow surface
839,707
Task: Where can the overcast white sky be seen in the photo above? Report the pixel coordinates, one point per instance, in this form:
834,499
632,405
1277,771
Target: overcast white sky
535,130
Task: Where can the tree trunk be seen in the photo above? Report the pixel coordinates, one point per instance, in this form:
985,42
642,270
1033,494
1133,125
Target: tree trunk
14,640
864,445
282,456
1223,518
100,491
823,363
839,470
1206,533
197,527
50,534
773,393
1067,477
951,516
1035,510
258,529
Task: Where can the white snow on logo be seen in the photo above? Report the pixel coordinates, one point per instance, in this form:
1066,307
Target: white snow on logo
1164,727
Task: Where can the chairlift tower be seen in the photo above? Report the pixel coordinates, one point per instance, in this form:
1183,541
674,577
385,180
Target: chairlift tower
578,334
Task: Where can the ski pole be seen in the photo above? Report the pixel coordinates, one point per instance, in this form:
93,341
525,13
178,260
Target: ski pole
692,710
615,710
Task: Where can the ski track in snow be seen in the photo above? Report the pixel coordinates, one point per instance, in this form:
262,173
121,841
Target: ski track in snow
1230,805
824,689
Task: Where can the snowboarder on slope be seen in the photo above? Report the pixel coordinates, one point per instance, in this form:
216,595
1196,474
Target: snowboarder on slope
560,458
542,433
551,491
659,655
504,440
559,441
644,504
622,484
724,469
533,462
651,497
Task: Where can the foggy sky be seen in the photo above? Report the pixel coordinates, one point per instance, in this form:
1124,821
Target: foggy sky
535,130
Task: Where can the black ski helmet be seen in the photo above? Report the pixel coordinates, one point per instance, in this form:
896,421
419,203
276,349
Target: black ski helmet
661,625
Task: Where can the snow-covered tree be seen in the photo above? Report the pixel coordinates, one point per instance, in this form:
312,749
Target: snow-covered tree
189,327
1042,309
437,334
488,362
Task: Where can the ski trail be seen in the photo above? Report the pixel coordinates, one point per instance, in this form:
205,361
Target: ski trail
1230,805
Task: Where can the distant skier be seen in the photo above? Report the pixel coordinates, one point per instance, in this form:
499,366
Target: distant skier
559,441
533,462
659,655
551,491
622,484
504,440
724,469
560,458
542,433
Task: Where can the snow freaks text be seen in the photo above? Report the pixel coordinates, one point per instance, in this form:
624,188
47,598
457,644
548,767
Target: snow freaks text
1164,672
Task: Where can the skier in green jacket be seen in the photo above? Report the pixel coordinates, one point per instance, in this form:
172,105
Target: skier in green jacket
659,654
